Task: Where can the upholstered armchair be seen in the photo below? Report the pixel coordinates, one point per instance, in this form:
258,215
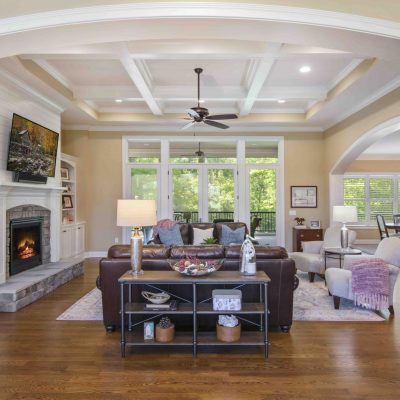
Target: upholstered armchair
311,259
339,280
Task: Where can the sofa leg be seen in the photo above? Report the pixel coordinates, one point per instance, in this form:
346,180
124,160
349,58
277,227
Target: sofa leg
285,328
391,310
110,328
336,302
311,276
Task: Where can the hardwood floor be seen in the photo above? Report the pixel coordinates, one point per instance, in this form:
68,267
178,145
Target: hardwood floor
41,358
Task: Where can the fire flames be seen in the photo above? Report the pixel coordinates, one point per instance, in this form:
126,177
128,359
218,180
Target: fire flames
26,249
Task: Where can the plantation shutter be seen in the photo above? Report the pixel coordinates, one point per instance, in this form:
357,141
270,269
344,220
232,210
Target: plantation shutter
381,197
355,195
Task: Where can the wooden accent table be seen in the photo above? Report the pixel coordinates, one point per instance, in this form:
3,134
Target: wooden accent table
153,279
305,235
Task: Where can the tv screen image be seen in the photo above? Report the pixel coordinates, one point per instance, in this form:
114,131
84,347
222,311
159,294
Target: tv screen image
32,149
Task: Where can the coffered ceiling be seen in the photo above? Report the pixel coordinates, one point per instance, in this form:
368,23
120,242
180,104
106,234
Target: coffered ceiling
146,85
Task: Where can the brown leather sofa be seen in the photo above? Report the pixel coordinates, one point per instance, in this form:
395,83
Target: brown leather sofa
273,260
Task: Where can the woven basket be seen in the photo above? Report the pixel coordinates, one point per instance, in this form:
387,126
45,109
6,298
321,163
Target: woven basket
227,334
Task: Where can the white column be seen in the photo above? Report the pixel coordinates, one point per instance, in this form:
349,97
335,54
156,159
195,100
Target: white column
243,212
164,211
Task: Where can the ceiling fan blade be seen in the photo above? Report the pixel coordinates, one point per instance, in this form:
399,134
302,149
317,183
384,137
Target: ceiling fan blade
222,116
187,126
216,124
192,113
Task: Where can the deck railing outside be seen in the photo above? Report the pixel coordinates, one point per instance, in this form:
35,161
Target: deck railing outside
267,223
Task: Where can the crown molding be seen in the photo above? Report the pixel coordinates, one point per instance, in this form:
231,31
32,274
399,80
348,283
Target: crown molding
175,129
101,13
25,88
389,87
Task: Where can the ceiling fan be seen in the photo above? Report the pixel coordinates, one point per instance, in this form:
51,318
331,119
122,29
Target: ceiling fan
199,154
201,115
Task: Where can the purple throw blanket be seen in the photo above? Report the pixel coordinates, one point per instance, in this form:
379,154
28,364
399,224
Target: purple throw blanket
370,283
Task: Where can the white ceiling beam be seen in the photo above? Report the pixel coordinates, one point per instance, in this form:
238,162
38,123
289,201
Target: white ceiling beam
260,75
140,82
186,93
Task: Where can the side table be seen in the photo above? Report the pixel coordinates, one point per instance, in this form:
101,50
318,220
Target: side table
337,253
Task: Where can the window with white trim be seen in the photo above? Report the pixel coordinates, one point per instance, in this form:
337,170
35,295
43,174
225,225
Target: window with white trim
372,195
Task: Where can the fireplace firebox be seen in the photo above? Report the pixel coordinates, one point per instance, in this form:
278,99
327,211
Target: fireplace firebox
25,244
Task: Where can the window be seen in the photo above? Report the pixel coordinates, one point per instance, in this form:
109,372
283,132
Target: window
372,195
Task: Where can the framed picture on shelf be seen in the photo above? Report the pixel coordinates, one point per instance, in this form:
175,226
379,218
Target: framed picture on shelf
67,201
64,173
303,196
315,224
148,330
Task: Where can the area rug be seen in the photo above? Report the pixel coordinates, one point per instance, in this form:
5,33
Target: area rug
311,303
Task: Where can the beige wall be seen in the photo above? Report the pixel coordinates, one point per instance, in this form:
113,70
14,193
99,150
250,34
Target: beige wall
385,9
99,183
100,180
374,166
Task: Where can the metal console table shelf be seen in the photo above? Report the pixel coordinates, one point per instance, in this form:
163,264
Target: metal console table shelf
129,309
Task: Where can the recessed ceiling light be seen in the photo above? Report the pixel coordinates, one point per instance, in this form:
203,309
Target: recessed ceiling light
118,101
281,101
201,101
304,69
146,144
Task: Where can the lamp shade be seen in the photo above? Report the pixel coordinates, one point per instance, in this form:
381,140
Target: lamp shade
136,213
345,214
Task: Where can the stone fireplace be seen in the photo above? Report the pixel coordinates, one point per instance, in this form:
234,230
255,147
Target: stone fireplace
28,238
19,204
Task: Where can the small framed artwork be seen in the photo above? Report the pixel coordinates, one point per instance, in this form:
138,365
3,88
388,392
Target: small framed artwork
64,173
303,196
315,224
148,330
67,201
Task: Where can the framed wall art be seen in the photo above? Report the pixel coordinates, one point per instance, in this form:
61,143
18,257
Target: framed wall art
303,196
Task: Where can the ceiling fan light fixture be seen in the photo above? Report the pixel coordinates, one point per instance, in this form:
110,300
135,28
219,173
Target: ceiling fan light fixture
281,101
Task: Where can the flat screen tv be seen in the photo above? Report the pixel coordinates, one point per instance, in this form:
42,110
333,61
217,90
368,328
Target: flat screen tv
32,149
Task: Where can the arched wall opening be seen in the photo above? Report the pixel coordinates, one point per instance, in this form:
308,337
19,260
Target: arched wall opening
352,153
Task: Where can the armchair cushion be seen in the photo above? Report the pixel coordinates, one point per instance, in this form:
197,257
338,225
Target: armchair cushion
308,262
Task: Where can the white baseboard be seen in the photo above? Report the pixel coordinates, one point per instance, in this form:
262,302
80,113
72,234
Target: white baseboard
367,241
95,254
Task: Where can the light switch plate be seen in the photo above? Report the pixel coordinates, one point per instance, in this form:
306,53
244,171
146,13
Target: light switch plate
292,212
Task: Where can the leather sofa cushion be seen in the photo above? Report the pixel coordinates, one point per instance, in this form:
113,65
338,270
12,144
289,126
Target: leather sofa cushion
154,251
262,252
203,251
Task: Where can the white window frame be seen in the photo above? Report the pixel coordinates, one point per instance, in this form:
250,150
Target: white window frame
241,213
395,176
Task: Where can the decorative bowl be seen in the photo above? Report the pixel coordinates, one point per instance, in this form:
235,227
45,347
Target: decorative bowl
196,267
156,298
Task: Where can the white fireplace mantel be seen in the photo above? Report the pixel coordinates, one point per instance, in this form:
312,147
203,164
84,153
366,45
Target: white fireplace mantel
13,194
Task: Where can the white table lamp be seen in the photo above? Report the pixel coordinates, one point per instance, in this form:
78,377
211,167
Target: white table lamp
344,214
135,214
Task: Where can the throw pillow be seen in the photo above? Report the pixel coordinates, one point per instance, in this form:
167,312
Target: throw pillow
230,236
200,234
170,236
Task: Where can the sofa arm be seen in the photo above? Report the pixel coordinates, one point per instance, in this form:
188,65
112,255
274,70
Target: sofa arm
98,282
349,259
313,247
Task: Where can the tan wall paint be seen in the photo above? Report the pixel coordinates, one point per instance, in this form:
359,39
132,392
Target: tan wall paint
374,166
101,177
100,173
385,9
